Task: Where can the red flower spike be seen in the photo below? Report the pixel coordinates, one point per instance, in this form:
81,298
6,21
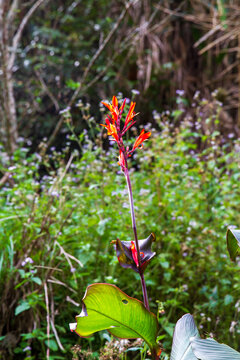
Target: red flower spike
121,160
142,137
114,129
127,253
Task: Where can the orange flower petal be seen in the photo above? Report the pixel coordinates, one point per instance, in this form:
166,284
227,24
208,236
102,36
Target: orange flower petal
142,137
130,114
107,105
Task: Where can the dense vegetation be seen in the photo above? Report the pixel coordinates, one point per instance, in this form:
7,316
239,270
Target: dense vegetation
63,196
56,231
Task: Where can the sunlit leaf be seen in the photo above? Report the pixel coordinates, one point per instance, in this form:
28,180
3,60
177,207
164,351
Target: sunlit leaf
185,329
105,306
233,242
209,349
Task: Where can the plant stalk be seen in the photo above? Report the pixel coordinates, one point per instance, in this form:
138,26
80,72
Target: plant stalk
144,289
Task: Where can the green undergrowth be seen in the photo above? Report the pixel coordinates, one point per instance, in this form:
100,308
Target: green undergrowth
58,221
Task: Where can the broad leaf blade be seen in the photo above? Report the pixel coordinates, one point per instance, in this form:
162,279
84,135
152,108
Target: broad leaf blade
233,242
209,349
185,329
106,307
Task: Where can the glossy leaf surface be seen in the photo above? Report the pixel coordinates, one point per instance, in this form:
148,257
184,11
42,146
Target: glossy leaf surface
209,349
105,306
233,242
185,330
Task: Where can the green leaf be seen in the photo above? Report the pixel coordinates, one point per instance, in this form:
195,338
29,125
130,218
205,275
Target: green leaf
209,349
233,242
72,84
51,344
228,299
37,280
22,307
105,306
184,330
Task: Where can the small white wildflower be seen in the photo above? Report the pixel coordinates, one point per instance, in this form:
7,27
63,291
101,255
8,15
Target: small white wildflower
64,111
54,193
135,92
27,348
232,327
180,92
97,27
143,192
29,260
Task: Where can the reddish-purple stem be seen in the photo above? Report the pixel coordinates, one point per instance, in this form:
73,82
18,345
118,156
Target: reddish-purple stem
144,289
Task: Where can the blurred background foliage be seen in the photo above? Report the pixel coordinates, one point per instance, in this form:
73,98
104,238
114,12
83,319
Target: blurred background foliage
66,50
63,198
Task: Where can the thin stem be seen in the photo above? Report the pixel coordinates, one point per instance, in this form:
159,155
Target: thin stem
144,289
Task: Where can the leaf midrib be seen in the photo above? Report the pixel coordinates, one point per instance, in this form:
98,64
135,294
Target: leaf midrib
109,317
186,351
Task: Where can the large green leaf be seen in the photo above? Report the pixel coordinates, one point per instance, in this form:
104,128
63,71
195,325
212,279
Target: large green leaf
105,306
185,330
233,242
209,349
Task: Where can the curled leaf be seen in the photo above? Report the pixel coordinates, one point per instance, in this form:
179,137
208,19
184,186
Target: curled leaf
126,253
233,242
184,331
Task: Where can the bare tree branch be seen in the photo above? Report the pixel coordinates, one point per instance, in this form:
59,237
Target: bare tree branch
21,27
46,89
9,119
12,12
102,47
92,61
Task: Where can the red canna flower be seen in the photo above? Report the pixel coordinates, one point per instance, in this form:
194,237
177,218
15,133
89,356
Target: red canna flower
115,111
142,137
114,129
111,128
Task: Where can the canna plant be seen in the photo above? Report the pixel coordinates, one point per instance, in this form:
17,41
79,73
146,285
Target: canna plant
187,344
233,242
105,306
